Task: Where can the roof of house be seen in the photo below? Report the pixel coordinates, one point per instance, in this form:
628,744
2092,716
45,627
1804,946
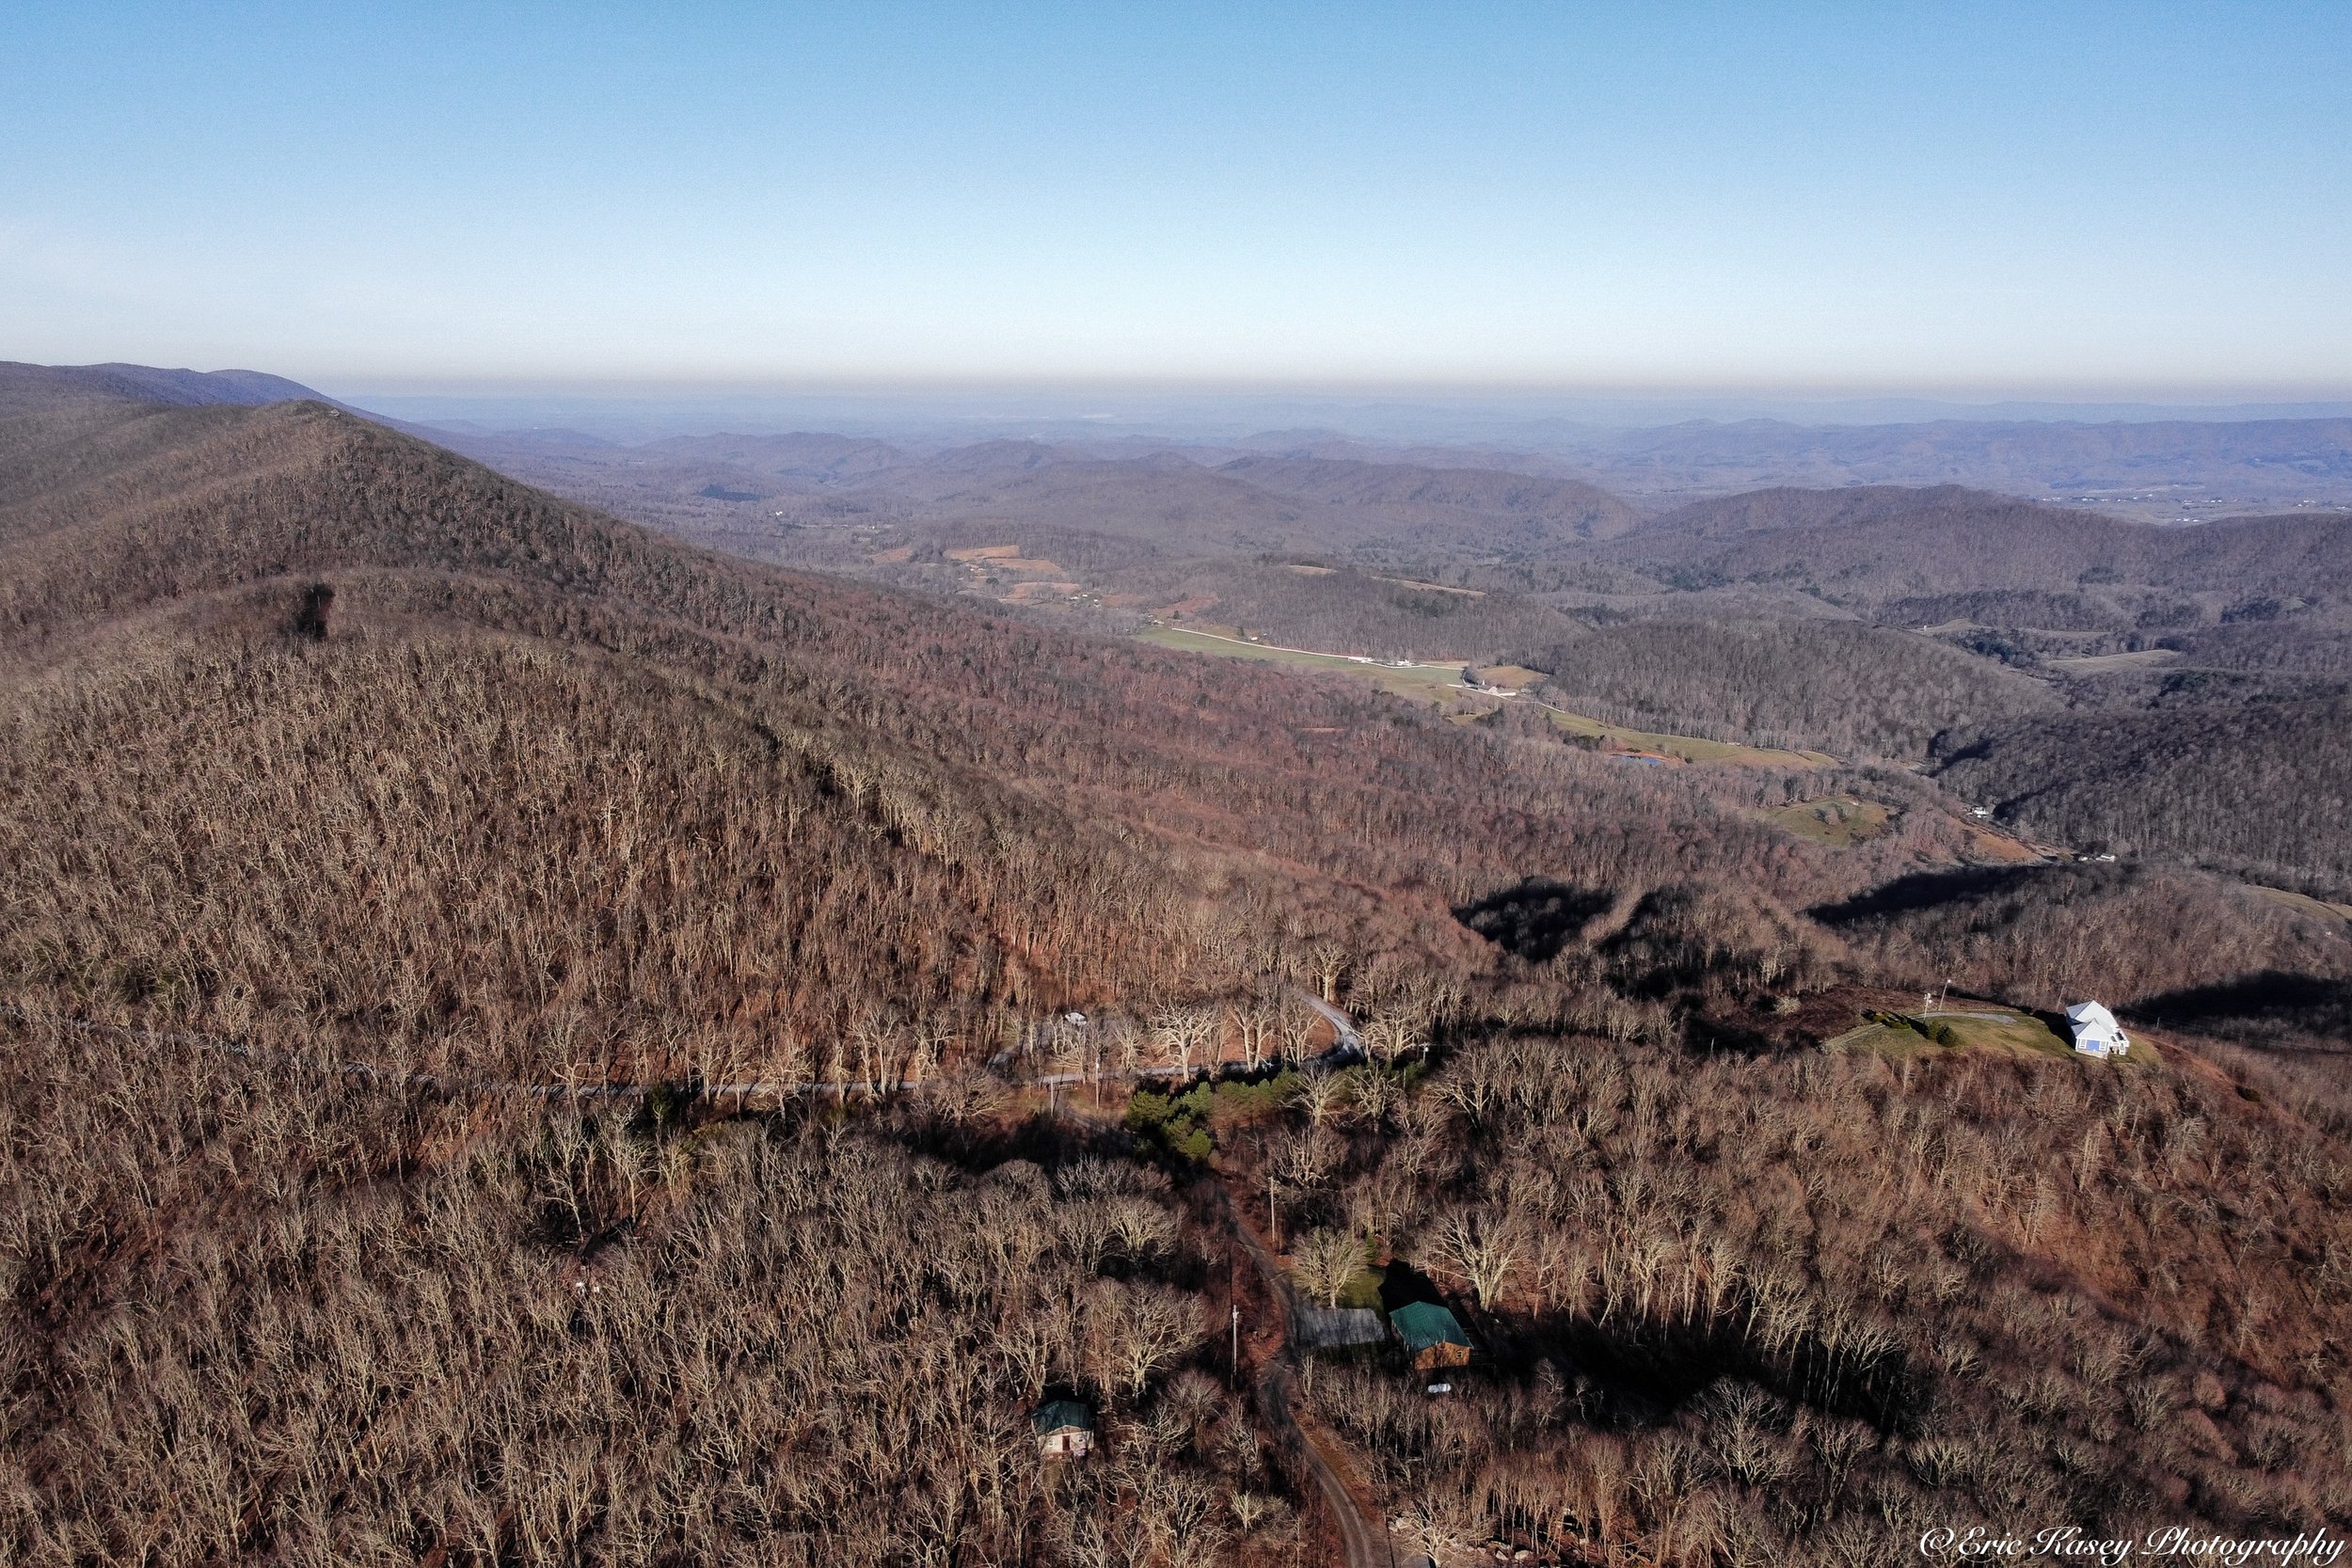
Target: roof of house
2089,1015
1062,1416
1329,1327
1424,1324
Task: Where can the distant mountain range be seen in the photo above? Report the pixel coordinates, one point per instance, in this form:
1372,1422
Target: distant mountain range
2168,471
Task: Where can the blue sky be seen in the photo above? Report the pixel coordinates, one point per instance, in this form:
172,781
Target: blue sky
2047,198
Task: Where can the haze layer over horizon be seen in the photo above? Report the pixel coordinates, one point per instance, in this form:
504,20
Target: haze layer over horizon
2118,198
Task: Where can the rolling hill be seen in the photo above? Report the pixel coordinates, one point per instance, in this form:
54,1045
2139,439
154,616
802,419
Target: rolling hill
1869,546
293,594
2262,789
1857,690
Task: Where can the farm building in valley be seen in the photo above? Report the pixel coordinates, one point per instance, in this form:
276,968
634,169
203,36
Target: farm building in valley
2096,1033
1065,1429
1431,1335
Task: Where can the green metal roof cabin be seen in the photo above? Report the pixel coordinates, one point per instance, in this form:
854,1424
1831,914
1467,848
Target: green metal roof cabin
1432,1336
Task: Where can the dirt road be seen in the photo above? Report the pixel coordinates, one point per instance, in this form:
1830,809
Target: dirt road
1363,1536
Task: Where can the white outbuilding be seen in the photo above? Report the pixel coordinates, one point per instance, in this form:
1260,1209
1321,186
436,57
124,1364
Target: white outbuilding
2096,1033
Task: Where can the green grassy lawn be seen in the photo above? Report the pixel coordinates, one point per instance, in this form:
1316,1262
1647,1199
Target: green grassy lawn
1840,823
2002,1030
1363,1290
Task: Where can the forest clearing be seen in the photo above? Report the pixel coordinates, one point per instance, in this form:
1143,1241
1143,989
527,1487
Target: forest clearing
1438,682
1964,1027
1841,821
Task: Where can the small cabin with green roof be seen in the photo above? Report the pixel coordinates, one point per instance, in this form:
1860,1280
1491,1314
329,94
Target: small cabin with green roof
1065,1429
1431,1335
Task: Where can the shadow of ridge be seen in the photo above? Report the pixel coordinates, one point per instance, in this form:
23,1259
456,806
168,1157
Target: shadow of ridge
1536,918
1923,890
2273,995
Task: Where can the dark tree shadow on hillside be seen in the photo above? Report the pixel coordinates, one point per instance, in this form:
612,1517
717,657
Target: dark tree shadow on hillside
1631,1374
1924,889
1536,919
2260,1008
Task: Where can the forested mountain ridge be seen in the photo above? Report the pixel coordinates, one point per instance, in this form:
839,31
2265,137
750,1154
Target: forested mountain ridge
1868,545
1523,512
331,542
1803,608
2262,790
2150,469
36,388
1855,690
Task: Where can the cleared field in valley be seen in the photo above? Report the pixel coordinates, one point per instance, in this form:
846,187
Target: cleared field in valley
1435,682
1426,682
1840,823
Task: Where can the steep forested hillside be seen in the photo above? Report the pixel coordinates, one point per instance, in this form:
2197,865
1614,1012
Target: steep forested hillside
254,1314
1803,1310
290,594
2266,788
1870,546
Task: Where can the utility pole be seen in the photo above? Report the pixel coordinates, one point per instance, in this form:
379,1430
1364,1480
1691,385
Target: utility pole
1233,1294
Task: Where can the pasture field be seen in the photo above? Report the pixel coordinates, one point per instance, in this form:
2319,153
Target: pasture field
2100,664
1841,822
1422,682
1686,747
1438,681
2339,915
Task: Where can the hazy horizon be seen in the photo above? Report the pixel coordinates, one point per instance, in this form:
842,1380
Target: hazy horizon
2111,200
1393,415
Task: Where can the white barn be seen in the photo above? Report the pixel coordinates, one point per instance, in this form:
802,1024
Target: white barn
2096,1033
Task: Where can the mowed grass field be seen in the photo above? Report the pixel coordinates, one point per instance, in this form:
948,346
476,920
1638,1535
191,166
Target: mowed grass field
1433,682
1422,682
1841,822
1977,1026
2339,915
1688,748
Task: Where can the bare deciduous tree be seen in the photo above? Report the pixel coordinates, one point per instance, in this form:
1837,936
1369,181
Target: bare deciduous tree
1324,1262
